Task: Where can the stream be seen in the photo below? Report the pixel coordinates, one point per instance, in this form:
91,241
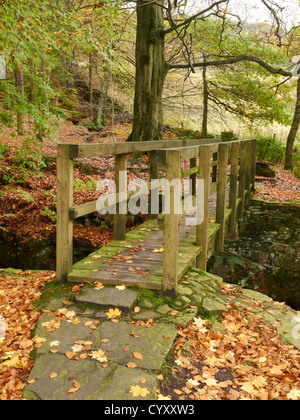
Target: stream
266,257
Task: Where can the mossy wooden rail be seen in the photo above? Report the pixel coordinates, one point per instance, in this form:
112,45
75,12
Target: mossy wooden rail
182,245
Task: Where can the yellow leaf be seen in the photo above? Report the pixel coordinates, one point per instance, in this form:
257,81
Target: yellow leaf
113,313
161,397
158,251
137,391
99,355
294,394
123,287
211,382
98,285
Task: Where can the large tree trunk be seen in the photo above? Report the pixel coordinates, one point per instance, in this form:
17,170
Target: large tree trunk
151,71
293,133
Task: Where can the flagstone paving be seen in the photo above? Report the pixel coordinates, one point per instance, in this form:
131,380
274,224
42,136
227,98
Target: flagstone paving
107,356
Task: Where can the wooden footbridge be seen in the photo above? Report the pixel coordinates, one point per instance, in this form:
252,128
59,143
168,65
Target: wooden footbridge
156,254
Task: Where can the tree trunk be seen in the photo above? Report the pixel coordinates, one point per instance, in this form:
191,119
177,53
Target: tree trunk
151,71
91,97
19,76
205,102
293,133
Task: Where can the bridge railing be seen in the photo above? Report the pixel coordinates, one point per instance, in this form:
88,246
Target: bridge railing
212,156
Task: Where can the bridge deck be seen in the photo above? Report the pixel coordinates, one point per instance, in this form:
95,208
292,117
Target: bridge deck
138,261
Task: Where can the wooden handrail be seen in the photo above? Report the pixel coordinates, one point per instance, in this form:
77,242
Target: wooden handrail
171,154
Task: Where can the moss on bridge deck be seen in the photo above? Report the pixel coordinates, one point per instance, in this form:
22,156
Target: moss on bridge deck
138,260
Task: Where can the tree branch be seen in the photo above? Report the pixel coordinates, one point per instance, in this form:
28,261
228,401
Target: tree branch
233,60
186,22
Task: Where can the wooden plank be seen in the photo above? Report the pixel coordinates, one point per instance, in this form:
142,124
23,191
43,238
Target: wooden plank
64,226
193,151
171,229
233,224
154,192
253,168
120,218
215,167
202,229
248,172
242,179
221,196
193,175
100,149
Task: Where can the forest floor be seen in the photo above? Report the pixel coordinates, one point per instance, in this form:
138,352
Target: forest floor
28,209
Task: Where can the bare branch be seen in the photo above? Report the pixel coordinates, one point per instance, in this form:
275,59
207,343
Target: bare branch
188,21
234,60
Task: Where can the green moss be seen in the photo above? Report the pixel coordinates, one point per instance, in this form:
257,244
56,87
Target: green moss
51,291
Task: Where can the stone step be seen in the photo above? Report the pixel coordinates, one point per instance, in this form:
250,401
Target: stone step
108,297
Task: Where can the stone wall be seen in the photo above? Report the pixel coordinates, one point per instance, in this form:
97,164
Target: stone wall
269,252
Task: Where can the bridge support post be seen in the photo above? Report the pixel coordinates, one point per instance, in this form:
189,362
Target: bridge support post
202,230
121,187
64,225
233,223
171,227
221,196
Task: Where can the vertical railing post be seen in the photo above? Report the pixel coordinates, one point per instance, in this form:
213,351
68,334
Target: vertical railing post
233,225
215,168
242,179
221,196
202,229
171,225
154,174
248,173
120,218
193,177
253,169
64,225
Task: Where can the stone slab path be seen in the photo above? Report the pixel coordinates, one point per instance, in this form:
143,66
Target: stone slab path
86,350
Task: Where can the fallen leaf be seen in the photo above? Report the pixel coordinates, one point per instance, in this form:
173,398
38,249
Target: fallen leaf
158,251
137,355
53,375
294,394
131,365
133,334
54,343
70,354
123,287
137,391
113,313
99,355
98,285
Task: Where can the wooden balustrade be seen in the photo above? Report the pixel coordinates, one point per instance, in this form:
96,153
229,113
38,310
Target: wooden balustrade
213,164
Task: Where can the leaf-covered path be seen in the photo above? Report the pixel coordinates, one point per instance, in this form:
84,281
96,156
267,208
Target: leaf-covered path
112,343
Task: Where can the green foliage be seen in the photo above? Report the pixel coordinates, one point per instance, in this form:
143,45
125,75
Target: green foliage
82,186
231,260
50,214
92,126
26,163
39,39
270,149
